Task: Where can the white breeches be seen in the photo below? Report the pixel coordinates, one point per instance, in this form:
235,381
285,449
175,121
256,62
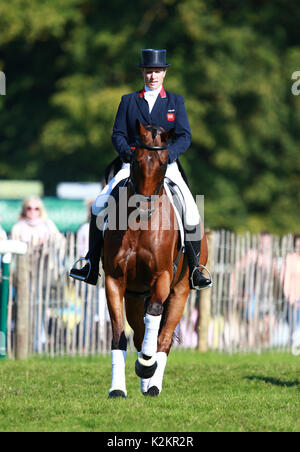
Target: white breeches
192,216
173,173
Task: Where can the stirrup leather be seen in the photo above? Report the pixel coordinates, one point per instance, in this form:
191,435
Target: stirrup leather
81,278
201,267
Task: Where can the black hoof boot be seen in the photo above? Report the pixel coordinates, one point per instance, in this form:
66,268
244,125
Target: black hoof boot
145,371
153,391
117,393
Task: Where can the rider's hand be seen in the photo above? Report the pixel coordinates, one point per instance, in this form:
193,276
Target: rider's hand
126,156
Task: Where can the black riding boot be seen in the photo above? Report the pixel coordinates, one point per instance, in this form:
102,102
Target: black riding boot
90,272
197,280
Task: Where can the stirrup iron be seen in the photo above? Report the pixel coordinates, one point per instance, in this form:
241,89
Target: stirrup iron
201,267
78,277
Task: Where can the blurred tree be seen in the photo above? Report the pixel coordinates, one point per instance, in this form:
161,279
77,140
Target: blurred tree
68,63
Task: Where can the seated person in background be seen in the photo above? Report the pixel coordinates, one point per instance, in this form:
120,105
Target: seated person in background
33,226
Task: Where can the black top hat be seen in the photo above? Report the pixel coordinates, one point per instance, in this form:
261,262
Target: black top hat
154,58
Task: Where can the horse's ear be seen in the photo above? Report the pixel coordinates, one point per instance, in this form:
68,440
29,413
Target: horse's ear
143,129
140,129
169,135
137,127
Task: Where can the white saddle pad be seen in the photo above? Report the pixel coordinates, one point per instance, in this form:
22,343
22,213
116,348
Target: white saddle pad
177,213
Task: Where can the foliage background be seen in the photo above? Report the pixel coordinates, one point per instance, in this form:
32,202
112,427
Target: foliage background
68,63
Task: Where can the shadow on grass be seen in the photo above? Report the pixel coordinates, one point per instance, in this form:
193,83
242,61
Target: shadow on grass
275,381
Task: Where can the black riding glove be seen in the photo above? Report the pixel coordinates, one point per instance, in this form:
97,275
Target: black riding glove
126,156
172,155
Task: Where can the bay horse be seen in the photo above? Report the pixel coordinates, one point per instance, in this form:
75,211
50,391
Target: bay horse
138,266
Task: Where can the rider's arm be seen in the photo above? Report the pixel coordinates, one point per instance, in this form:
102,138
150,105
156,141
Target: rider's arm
183,136
120,135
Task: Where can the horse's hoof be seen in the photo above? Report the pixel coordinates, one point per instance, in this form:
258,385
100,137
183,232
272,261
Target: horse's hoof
153,391
117,393
145,371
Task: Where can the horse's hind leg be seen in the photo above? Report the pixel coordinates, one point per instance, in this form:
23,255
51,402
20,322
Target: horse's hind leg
114,294
135,312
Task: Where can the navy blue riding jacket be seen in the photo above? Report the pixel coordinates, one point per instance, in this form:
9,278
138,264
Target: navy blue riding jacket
168,112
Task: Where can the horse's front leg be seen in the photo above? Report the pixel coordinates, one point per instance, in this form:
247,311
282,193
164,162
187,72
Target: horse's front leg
146,363
114,294
175,309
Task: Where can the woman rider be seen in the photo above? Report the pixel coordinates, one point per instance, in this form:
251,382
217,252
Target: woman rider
151,105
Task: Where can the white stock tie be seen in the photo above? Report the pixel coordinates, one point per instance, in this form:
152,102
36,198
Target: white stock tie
151,97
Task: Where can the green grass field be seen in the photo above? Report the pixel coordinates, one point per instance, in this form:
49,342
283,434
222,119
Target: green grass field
202,392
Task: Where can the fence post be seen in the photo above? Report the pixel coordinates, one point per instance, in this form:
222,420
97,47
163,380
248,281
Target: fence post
205,301
6,260
22,321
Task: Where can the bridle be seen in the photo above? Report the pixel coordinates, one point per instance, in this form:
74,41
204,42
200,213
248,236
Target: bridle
139,144
154,129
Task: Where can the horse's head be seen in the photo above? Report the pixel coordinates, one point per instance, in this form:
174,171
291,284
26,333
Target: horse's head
151,159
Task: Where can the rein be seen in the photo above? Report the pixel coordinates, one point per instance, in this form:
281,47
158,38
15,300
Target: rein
146,198
150,148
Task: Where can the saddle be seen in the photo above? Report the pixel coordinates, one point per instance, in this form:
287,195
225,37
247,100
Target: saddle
112,169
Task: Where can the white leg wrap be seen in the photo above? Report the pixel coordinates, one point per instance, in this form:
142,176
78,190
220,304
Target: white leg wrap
152,323
118,361
157,378
144,381
144,385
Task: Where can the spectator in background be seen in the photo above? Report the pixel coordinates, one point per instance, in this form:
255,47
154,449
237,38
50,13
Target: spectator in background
253,295
33,226
292,286
37,230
